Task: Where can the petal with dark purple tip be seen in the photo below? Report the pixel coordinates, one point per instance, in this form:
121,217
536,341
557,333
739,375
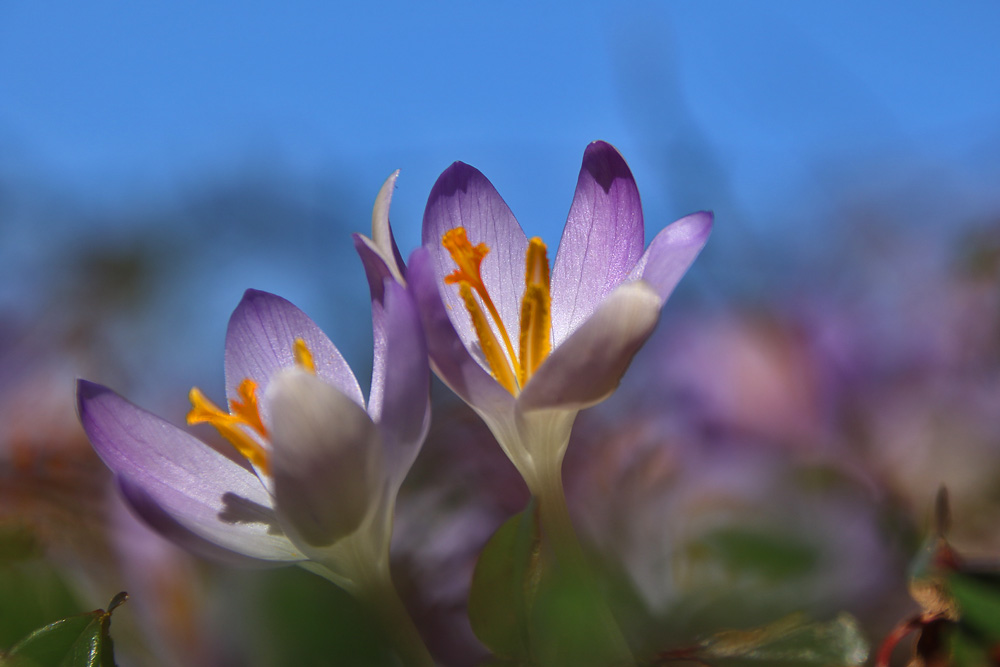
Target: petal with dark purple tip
463,197
260,341
203,491
672,252
588,366
602,240
453,363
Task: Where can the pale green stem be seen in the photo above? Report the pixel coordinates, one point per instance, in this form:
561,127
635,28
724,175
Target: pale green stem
381,596
557,527
371,584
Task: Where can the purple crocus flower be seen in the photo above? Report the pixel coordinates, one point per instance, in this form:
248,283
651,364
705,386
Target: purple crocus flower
484,289
319,472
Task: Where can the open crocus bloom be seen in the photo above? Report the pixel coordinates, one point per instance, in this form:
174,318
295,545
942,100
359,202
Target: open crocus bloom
317,473
526,349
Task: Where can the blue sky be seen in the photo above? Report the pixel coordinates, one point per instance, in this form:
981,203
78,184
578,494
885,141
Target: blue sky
758,110
108,98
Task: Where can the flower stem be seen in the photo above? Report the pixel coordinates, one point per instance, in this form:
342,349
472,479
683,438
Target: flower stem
558,532
381,597
371,584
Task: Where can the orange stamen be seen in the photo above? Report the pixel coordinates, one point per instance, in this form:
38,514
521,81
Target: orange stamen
536,311
511,371
469,259
240,425
233,427
488,342
303,356
245,408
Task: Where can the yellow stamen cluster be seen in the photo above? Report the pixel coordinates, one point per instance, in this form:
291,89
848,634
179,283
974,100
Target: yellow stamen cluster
239,425
511,370
242,426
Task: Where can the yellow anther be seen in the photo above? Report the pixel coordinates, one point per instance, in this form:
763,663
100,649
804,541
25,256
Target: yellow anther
512,371
536,312
303,356
233,427
469,259
498,363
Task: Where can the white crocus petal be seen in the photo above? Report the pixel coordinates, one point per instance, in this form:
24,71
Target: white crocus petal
324,458
382,241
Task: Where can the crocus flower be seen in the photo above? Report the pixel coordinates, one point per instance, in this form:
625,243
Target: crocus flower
528,350
317,474
317,467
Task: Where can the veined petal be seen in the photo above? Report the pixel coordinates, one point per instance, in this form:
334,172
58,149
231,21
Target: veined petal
376,268
403,409
141,503
672,252
463,197
377,272
203,491
324,458
602,240
261,339
452,361
587,367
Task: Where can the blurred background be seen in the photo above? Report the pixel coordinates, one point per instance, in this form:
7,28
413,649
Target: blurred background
830,361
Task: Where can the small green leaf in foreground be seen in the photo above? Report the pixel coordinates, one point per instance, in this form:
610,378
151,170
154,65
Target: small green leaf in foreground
77,641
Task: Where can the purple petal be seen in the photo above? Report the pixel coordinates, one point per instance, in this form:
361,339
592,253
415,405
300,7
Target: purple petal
324,458
402,410
166,468
260,341
463,197
588,366
601,242
377,272
376,269
451,360
140,502
672,251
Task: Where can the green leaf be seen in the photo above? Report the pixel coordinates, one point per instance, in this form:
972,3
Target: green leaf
978,602
77,641
504,586
569,623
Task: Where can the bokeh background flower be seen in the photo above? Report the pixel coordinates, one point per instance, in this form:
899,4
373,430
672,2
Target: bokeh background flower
831,359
